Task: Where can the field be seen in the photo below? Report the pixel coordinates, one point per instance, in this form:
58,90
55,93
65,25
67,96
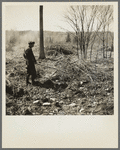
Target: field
65,85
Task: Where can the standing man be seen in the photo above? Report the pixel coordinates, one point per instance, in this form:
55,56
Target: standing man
30,62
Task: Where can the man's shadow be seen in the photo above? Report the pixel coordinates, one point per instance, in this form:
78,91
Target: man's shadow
49,84
46,84
37,83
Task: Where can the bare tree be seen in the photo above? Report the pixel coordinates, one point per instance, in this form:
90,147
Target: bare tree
112,46
82,20
106,18
88,22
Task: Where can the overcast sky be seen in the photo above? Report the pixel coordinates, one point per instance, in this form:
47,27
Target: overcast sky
25,16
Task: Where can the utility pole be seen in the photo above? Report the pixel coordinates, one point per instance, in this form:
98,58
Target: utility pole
41,54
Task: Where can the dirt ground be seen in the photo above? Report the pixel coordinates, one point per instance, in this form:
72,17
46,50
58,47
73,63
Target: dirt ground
65,85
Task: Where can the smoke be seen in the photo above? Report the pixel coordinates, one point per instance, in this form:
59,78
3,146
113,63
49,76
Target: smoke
20,38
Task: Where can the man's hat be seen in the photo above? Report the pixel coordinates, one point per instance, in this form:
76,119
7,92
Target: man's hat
31,42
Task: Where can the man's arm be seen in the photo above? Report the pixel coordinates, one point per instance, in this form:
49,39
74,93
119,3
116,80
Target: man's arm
33,57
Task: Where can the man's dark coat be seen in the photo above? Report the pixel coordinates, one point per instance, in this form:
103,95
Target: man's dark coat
30,61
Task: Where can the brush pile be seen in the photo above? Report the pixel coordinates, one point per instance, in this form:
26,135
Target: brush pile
58,49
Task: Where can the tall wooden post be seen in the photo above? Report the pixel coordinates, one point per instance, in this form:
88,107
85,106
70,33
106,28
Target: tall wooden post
42,54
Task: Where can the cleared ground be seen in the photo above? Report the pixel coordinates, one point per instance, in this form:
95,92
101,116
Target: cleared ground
65,85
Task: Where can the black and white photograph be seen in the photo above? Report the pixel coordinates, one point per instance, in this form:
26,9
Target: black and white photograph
64,68
59,59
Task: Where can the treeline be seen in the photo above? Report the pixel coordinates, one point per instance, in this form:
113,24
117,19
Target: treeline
50,37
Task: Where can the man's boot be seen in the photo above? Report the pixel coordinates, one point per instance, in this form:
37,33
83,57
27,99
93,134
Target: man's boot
27,80
33,82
